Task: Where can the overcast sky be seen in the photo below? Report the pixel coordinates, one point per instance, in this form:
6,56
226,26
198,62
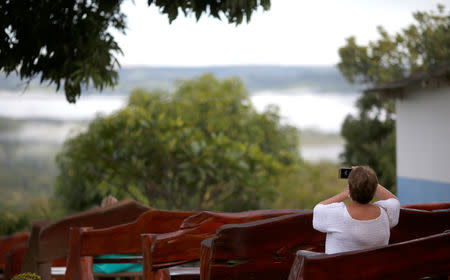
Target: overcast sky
292,32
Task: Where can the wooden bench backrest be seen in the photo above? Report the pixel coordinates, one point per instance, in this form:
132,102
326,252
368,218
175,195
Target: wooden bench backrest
414,259
207,221
414,224
428,206
120,239
52,241
259,250
166,250
126,238
9,241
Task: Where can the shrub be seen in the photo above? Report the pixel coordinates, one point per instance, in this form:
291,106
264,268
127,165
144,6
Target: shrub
27,276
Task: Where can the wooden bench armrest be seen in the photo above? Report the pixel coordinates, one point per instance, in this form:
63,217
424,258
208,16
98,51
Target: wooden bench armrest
184,273
205,258
299,260
207,243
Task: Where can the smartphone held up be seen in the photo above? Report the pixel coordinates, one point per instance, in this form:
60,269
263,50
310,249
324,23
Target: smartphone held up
344,172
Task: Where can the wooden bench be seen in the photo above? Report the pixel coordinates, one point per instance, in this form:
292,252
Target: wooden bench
163,251
413,259
267,249
7,243
121,239
50,242
259,250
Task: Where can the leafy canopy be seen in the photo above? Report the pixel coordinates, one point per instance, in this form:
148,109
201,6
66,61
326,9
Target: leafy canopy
417,47
203,146
370,135
68,43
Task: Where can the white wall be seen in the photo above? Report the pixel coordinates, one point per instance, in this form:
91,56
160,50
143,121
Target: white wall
423,135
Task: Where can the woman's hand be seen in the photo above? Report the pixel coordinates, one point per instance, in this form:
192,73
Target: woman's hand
347,192
382,193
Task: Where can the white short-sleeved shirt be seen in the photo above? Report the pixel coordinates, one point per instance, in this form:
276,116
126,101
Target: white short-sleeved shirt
347,234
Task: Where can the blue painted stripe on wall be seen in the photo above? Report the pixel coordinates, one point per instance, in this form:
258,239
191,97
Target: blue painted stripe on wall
411,190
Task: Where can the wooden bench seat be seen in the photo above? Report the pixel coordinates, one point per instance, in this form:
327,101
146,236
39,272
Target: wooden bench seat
168,250
50,241
413,259
267,249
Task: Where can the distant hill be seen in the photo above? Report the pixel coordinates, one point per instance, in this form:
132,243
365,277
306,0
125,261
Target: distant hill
255,78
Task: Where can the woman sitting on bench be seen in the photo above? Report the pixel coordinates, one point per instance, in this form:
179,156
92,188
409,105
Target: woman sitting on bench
359,224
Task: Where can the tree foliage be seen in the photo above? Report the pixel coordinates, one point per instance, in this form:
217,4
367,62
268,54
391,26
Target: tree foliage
68,43
370,138
370,135
417,47
304,185
14,219
201,147
12,222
